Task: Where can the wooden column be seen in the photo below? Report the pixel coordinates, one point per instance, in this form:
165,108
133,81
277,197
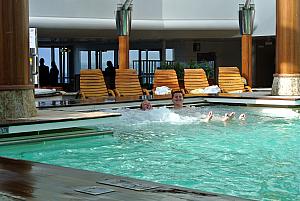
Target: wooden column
123,52
288,37
247,58
14,61
287,77
16,89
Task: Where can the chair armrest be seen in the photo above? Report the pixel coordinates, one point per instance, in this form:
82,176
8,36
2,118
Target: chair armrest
186,91
247,88
146,92
222,90
117,93
81,95
111,92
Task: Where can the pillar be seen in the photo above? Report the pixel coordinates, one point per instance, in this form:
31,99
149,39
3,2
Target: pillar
287,77
247,58
123,52
16,89
123,23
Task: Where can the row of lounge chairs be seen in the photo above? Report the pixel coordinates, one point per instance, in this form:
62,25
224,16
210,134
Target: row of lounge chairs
92,83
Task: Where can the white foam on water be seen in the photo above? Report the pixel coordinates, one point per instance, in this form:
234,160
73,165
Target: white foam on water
162,114
170,116
281,112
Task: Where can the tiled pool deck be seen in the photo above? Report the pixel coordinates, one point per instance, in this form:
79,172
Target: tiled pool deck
23,180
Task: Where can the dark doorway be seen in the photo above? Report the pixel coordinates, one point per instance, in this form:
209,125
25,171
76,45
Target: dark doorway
265,49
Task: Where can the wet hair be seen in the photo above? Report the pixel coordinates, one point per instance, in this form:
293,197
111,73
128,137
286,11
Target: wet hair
177,91
141,105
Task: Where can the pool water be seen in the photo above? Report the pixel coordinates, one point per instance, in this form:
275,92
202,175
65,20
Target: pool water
258,158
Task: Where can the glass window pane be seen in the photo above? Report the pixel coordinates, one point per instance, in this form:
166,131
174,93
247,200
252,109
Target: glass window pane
56,59
46,54
93,59
143,55
169,54
153,55
83,59
133,58
98,65
107,56
56,56
66,70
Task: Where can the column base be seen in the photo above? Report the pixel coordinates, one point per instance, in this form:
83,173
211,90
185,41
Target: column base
16,104
286,85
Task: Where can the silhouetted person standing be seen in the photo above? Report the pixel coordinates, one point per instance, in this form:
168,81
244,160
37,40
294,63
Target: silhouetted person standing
110,74
43,73
53,77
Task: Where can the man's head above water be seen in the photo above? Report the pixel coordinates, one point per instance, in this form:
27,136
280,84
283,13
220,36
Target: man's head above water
145,105
177,99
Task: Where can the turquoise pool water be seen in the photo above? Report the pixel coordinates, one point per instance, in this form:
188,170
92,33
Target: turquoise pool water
256,159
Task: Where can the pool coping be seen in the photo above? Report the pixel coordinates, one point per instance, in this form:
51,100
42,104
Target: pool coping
43,116
49,119
254,98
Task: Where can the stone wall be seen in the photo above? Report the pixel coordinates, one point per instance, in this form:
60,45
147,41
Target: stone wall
286,85
16,104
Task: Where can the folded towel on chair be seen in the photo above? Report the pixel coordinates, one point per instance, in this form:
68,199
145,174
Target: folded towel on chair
163,90
207,90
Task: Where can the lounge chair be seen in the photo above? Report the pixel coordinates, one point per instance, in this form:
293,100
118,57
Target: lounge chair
92,84
128,84
194,79
230,80
166,78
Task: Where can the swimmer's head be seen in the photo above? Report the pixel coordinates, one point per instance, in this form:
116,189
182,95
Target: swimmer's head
145,105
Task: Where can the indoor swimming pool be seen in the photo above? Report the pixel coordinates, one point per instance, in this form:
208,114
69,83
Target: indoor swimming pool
258,158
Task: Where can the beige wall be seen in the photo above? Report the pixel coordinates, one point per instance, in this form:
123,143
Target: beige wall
151,14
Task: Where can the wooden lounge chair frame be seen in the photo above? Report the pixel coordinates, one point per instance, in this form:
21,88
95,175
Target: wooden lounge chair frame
230,80
92,84
194,79
128,84
166,78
